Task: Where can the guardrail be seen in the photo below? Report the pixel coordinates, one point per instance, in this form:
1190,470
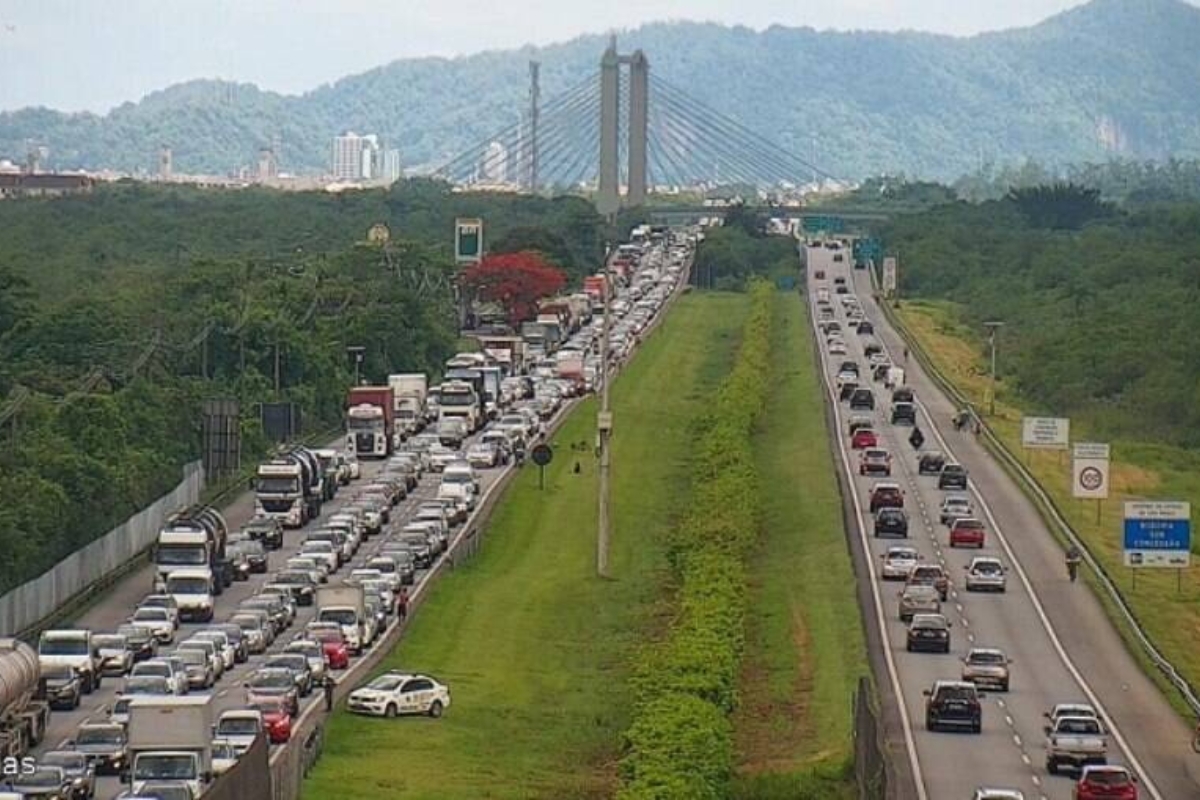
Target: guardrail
1046,506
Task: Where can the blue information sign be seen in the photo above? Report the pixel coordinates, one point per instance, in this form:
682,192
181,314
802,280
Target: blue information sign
1158,534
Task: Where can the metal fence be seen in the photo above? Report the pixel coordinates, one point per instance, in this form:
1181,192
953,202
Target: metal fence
25,606
870,761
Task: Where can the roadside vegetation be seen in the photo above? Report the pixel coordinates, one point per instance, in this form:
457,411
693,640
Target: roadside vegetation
805,649
732,255
1139,470
121,312
680,739
537,650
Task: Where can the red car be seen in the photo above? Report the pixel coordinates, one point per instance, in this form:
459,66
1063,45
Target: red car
967,532
276,719
886,495
337,655
1106,782
864,438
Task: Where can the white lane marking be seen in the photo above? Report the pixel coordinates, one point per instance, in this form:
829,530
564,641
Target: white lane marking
889,658
1028,762
1147,782
1017,739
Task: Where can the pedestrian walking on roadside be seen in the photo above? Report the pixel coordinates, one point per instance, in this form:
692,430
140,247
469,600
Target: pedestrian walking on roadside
329,687
402,604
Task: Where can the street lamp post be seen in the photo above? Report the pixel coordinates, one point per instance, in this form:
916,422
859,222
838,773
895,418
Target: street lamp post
604,430
356,352
992,327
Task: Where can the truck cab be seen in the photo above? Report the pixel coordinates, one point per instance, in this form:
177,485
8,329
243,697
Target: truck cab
74,649
169,738
345,606
279,493
193,590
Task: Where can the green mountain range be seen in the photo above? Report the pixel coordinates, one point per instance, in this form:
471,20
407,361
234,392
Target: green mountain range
1109,79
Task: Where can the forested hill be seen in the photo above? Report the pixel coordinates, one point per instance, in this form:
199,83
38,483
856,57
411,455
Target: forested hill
1110,78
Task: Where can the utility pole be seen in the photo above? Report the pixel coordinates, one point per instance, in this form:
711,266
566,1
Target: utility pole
992,328
356,352
277,368
604,431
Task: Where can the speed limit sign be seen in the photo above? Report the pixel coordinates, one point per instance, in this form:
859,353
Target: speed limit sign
1090,471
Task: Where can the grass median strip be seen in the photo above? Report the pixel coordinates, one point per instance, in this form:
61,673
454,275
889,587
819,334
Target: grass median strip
805,649
1138,470
535,649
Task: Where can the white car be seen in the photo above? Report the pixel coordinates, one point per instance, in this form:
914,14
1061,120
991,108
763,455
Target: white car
837,348
482,456
224,755
955,506
352,466
898,562
986,574
239,727
157,620
394,693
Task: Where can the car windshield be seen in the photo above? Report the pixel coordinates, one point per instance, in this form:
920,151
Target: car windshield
237,726
340,616
986,658
189,585
109,642
181,555
63,647
988,568
1078,726
1108,777
276,679
385,683
153,766
68,761
278,485
956,694
41,777
101,735
151,615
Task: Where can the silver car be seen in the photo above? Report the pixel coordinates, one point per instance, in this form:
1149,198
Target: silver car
986,574
987,667
918,599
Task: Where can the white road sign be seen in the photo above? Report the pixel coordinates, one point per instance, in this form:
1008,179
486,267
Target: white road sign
1046,433
1089,470
890,275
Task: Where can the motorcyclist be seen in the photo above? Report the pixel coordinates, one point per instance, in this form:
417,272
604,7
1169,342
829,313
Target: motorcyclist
1074,559
916,438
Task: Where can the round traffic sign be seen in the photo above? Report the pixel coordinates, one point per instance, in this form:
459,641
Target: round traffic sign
1091,478
542,455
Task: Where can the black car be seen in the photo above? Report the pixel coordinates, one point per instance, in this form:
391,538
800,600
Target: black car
903,394
879,373
929,632
841,289
141,641
848,366
931,463
904,414
252,553
953,704
862,399
891,522
104,745
268,530
847,390
301,584
952,476
865,328
872,349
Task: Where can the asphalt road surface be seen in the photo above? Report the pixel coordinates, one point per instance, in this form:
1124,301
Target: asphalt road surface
1062,646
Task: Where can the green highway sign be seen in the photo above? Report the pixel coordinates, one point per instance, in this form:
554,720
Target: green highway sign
468,241
819,223
870,249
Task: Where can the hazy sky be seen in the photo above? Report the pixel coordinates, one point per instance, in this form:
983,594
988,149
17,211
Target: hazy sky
94,54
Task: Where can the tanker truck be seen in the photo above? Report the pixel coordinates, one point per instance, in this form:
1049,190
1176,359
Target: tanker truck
193,538
23,716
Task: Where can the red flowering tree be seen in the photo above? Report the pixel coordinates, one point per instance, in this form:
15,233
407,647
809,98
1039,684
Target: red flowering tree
514,280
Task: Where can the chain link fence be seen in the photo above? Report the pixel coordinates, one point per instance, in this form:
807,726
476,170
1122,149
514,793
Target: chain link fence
95,565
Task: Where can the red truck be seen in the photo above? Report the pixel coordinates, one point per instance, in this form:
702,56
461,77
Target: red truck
370,421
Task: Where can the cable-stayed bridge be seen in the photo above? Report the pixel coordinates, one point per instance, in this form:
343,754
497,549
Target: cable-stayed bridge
623,135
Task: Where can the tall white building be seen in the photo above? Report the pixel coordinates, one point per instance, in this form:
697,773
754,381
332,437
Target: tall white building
392,170
356,158
494,166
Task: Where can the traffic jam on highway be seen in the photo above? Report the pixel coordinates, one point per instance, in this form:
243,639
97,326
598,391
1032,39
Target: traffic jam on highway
248,626
965,646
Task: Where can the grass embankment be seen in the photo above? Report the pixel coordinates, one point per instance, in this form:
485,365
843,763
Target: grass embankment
1138,470
536,650
805,649
680,740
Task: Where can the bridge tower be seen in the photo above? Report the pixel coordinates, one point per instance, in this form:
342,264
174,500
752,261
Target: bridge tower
608,190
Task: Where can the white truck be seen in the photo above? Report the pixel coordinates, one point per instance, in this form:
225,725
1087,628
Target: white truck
71,648
193,589
894,378
346,606
458,400
410,390
170,738
1074,742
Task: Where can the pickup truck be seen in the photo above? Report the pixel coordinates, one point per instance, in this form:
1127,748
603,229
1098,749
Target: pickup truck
1075,742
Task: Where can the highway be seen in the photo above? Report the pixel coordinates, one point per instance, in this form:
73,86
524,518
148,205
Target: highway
228,693
1062,647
